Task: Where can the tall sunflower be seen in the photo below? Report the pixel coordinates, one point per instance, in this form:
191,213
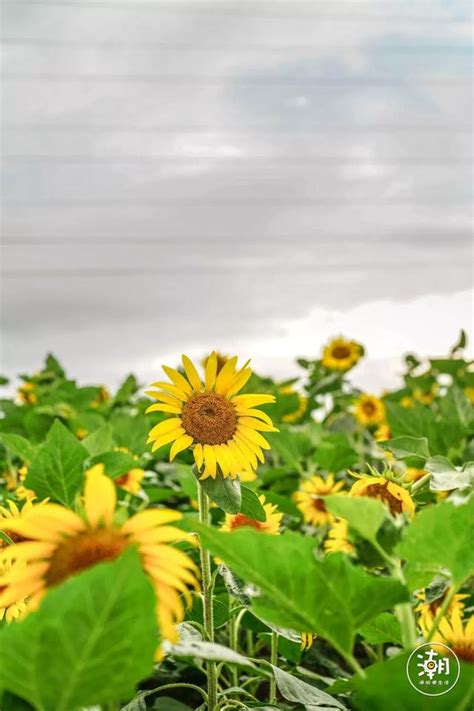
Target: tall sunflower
58,543
270,525
310,499
457,636
222,427
393,495
428,610
341,354
369,410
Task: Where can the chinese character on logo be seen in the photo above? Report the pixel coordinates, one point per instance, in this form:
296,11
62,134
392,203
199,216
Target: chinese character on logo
431,665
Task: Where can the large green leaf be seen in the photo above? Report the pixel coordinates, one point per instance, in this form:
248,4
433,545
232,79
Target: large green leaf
403,447
294,689
251,506
223,492
383,628
362,514
441,537
446,477
331,597
90,642
57,469
387,688
99,441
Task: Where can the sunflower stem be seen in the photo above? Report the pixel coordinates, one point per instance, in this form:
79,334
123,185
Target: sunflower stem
203,501
441,613
273,661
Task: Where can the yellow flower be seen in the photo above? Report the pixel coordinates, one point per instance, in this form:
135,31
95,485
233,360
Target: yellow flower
221,360
246,476
81,433
406,401
300,410
382,433
307,639
340,354
310,501
429,610
469,393
412,474
15,609
425,397
58,543
131,481
22,493
369,410
270,525
456,636
394,496
26,394
223,427
12,514
337,540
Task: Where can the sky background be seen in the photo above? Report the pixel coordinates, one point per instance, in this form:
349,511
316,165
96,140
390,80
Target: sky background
254,176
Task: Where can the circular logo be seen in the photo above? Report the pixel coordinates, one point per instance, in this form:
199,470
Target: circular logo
433,669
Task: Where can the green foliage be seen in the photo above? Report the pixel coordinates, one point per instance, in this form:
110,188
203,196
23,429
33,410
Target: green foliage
57,469
91,641
362,514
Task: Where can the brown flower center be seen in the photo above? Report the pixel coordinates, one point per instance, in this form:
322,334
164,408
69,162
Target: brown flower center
239,520
369,407
381,492
80,552
318,503
209,418
341,352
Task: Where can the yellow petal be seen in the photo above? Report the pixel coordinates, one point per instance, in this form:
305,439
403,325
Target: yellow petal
149,519
226,376
256,437
259,414
252,400
252,446
100,498
165,426
239,381
173,409
255,424
210,460
198,455
177,392
164,397
211,371
222,460
167,438
192,374
178,379
180,444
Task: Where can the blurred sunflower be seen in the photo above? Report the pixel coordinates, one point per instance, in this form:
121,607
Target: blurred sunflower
469,393
222,427
302,405
337,540
406,401
131,481
457,636
369,410
412,474
426,397
394,496
270,525
382,433
15,609
58,543
26,394
340,354
309,499
429,610
10,515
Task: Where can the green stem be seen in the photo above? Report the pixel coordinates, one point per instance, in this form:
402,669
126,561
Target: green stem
440,614
182,685
234,642
273,661
203,501
420,483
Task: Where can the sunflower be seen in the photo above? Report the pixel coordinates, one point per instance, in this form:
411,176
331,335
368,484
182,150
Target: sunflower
340,354
394,496
223,427
406,402
382,433
309,499
131,481
26,394
13,513
15,609
57,543
412,474
337,540
429,610
457,636
270,525
426,397
81,433
369,410
300,410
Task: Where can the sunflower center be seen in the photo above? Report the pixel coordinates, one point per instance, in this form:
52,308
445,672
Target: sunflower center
317,503
209,418
380,491
369,407
239,520
341,352
80,552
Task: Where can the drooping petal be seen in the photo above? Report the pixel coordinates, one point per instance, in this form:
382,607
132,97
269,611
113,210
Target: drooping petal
177,379
180,444
100,497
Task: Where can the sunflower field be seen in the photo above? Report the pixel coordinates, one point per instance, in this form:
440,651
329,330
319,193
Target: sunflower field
222,541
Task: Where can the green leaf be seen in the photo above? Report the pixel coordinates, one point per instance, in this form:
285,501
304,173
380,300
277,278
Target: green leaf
57,469
99,441
209,651
456,407
116,463
100,625
128,388
446,477
330,597
251,506
407,446
364,515
386,687
291,446
223,492
220,609
18,446
461,343
441,537
335,454
383,628
294,689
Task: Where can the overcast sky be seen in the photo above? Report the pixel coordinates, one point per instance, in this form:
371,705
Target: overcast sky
247,175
